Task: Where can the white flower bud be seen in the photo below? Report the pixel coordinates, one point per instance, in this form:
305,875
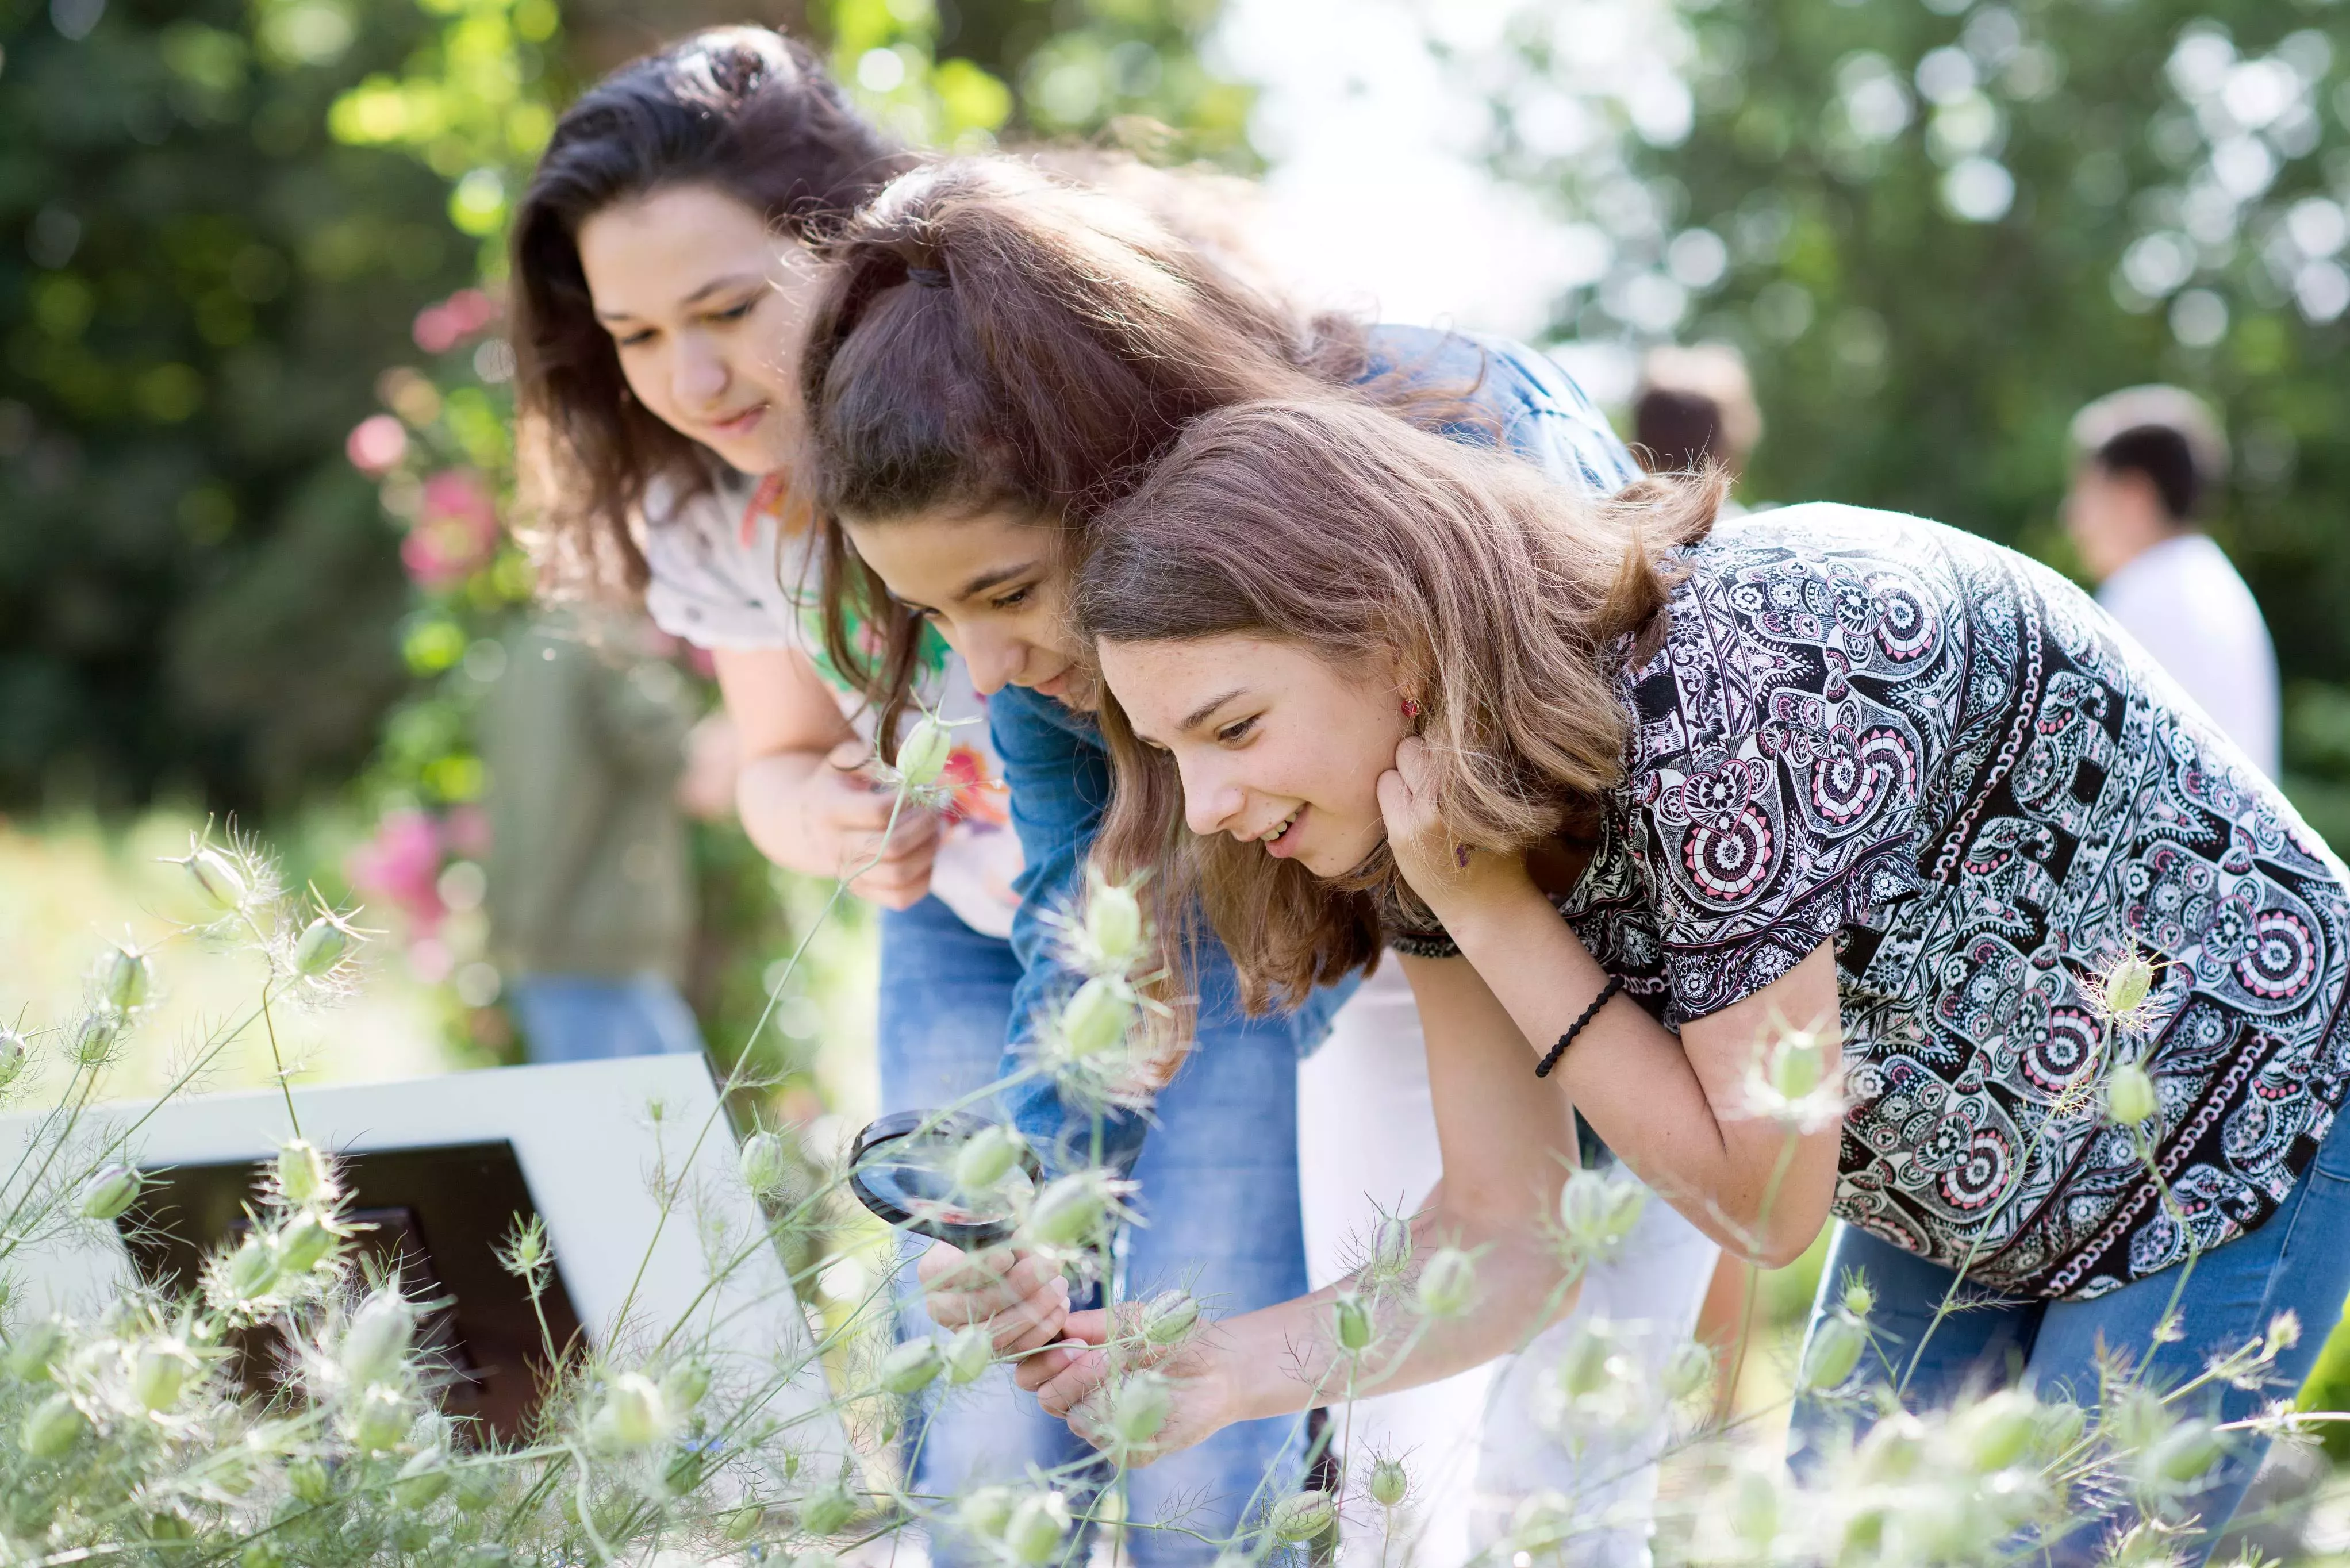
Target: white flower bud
633,1416
125,979
2130,1094
1113,924
377,1339
1448,1286
1097,1017
912,1366
110,1193
923,754
986,1158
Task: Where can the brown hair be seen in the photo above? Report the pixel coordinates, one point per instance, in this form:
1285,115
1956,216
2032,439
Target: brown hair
1464,574
744,111
992,338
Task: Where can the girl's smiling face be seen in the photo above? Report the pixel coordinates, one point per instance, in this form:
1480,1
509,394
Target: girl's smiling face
991,582
1274,745
704,305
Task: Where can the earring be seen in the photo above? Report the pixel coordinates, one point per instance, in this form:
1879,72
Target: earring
1411,707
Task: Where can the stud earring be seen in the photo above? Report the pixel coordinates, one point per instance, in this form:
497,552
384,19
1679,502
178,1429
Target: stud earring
1411,707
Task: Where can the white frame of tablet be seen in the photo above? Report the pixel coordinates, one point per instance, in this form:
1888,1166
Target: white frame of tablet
590,1147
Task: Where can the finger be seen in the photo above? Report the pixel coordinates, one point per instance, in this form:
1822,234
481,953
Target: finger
1090,1327
1078,1374
1034,1323
1045,1363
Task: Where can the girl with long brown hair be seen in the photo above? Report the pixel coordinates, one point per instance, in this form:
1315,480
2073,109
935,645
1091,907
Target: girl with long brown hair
998,357
1831,862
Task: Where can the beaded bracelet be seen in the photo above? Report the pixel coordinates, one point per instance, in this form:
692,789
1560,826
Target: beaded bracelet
1615,984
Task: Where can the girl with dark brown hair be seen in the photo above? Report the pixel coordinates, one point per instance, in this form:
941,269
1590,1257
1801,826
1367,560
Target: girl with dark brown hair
1831,862
998,358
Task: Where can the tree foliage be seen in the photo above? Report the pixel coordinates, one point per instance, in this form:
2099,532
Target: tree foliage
1939,228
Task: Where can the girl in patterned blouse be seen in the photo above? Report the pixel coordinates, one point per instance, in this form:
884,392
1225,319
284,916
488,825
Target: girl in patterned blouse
1818,785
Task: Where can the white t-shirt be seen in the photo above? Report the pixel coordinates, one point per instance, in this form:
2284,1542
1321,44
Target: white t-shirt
734,568
2184,602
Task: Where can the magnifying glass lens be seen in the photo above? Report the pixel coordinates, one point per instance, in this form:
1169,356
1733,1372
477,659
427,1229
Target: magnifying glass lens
903,1170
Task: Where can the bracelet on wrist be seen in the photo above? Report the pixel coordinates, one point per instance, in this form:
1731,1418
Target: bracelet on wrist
1615,984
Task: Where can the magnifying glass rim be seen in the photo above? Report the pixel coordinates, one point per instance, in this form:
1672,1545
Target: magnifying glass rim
900,1125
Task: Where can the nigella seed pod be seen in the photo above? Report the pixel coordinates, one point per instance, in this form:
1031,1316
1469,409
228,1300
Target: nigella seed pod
1301,1516
126,980
302,1173
13,1054
1391,1482
1583,1206
217,878
377,1339
828,1513
53,1427
1039,1523
1071,1212
422,1479
110,1193
2127,984
969,1354
765,1162
1798,1064
743,1524
1996,1430
1141,1408
303,1243
1097,1017
1113,925
633,1416
2130,1094
1448,1286
252,1268
160,1374
35,1349
322,945
1169,1318
261,1554
1689,1371
1391,1249
686,1385
94,1034
986,1158
1858,1299
2184,1453
923,754
1584,1369
986,1512
1755,1508
308,1480
1351,1321
380,1420
912,1366
1835,1351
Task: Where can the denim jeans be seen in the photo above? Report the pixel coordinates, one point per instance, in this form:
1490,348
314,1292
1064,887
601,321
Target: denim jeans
1218,1215
2298,1262
592,1018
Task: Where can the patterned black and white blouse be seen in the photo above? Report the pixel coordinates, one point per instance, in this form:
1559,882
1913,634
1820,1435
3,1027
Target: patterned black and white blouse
1871,728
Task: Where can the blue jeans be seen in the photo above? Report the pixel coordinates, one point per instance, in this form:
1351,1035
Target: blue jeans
592,1018
2298,1262
1219,1202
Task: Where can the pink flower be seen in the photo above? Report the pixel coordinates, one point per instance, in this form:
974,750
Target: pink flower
455,533
401,866
376,444
467,829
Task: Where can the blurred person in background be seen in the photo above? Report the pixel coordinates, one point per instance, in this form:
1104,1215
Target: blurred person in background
591,887
1695,406
2148,466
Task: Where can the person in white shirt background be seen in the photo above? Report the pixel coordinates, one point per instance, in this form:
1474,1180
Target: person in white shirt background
2149,462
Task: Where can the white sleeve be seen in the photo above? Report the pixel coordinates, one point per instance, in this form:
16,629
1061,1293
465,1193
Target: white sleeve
2201,623
707,585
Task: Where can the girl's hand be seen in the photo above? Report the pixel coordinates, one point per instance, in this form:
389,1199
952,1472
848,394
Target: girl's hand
1020,1299
845,815
1074,1380
1449,878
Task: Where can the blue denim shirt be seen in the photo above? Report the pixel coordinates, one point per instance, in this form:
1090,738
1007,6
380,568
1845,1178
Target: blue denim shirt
1058,770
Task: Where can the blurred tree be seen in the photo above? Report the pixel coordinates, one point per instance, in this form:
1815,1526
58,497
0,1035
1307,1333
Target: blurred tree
1939,228
197,286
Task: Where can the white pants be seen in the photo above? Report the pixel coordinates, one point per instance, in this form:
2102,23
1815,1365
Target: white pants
1367,1143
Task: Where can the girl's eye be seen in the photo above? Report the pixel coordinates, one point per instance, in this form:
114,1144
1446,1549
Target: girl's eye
1239,730
735,313
635,339
1014,599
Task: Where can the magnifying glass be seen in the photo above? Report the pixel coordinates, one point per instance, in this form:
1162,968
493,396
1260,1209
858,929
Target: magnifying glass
902,1168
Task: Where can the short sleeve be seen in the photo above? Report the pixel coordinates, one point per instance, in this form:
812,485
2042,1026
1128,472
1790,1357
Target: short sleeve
709,586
